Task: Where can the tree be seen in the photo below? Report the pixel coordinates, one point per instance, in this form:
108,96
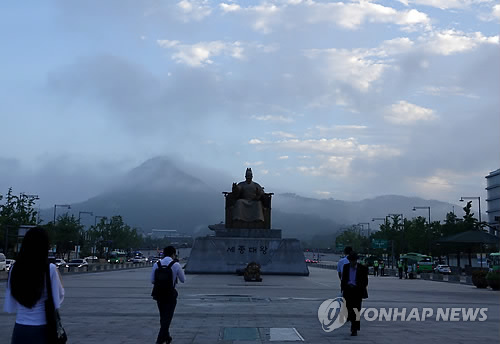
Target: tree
65,234
16,211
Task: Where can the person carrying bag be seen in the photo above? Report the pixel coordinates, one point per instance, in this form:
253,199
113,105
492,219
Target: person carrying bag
34,292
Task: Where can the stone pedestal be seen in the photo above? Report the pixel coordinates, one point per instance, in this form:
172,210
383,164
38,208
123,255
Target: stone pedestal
231,250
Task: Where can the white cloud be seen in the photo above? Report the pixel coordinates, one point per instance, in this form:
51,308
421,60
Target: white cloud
335,147
229,7
332,167
283,134
255,142
495,12
448,4
350,67
323,131
256,163
201,53
353,14
451,41
193,9
406,113
445,91
283,157
266,15
274,118
349,15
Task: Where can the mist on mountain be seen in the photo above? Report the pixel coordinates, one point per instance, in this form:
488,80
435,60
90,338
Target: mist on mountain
165,193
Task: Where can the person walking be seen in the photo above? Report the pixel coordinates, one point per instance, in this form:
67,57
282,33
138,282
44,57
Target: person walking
26,290
382,268
375,267
343,260
400,269
164,276
354,289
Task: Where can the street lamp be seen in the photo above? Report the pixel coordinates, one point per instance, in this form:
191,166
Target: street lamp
428,208
365,223
84,212
98,216
479,203
60,206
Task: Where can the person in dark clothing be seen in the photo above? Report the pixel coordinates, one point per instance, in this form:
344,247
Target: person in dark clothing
353,287
166,306
400,269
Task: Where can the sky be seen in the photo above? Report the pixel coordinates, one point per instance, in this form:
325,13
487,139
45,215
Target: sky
348,100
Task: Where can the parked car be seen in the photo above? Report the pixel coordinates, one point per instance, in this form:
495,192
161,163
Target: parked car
2,262
91,259
79,263
60,262
9,263
443,269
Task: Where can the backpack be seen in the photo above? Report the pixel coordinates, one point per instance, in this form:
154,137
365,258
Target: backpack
163,287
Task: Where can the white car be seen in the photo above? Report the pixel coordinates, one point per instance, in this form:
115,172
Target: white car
60,262
139,259
91,259
79,263
8,264
443,269
3,262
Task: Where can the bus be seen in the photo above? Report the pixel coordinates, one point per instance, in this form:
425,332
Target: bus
117,257
419,262
494,261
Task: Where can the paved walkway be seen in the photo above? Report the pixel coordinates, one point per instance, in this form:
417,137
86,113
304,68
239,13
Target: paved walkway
116,307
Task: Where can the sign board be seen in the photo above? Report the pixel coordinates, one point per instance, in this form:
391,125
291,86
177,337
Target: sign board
339,246
380,243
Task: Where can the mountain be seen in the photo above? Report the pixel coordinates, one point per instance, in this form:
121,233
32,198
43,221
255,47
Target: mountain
160,194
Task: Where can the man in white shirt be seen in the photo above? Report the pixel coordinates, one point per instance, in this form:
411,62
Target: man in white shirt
342,261
166,306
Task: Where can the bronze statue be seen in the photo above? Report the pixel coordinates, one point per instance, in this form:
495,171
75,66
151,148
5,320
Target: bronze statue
248,206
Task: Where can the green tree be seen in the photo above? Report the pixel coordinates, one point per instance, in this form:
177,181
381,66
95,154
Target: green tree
14,212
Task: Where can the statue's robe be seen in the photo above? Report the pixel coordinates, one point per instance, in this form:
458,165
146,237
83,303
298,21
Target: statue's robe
248,206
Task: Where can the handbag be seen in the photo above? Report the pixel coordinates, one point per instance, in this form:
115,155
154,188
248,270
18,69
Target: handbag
55,331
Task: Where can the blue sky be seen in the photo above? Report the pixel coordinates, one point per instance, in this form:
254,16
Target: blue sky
348,100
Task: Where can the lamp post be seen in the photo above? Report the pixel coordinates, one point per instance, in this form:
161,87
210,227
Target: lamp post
428,208
60,206
478,202
84,212
365,223
98,216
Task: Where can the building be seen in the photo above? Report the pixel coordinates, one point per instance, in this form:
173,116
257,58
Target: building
493,201
175,238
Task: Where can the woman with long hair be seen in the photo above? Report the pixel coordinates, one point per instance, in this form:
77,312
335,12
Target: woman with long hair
26,288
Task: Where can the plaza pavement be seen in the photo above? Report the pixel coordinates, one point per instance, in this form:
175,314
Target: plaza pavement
116,307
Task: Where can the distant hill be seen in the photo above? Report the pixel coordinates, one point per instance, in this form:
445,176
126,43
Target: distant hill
159,194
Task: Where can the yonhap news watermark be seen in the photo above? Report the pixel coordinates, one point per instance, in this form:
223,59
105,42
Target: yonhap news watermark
332,314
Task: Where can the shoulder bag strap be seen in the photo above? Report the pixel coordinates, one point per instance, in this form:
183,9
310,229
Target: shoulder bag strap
49,285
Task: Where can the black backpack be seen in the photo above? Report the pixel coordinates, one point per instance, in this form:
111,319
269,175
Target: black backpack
163,287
